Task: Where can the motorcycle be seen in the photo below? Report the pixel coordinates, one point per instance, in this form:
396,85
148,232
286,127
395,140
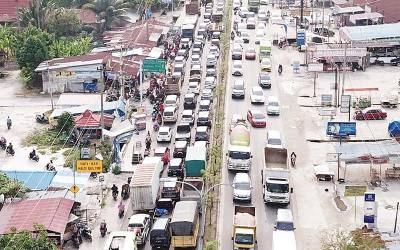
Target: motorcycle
34,157
280,69
293,160
103,229
42,119
156,126
232,35
10,151
3,143
121,213
85,231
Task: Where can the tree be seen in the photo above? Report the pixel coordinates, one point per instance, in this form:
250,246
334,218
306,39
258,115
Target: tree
7,40
65,122
109,12
24,240
63,23
355,240
65,48
11,188
36,13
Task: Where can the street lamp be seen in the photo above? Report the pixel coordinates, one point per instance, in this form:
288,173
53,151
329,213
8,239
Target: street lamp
201,196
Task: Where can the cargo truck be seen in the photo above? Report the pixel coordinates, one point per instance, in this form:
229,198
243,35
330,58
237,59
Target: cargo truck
173,86
185,225
189,193
144,185
239,150
244,228
276,176
195,161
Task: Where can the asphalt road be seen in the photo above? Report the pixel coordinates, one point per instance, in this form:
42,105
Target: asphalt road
287,123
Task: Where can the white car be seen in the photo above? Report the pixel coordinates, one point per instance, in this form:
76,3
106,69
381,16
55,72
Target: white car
238,42
193,88
207,94
209,82
196,59
164,134
273,106
274,139
214,50
266,65
187,116
257,95
260,34
237,68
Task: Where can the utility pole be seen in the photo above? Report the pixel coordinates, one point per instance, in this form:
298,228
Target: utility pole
395,220
301,11
102,101
323,17
315,82
336,86
344,66
38,3
50,85
140,82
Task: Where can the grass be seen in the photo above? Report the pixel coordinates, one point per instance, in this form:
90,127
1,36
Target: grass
45,139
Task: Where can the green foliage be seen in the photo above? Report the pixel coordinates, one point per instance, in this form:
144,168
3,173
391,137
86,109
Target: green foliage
65,48
71,156
211,245
63,23
36,13
63,3
32,48
105,150
109,12
24,240
7,40
65,122
11,188
341,240
116,169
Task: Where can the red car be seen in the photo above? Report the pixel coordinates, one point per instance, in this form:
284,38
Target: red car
250,54
256,118
370,114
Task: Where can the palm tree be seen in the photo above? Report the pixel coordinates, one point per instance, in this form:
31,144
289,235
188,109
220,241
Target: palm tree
109,12
36,13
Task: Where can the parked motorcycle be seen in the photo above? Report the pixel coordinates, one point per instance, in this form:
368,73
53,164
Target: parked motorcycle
85,231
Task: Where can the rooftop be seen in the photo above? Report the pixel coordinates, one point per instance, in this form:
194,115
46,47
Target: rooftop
372,32
52,213
34,180
389,8
8,9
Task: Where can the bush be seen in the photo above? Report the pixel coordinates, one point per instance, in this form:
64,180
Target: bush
65,122
116,169
11,188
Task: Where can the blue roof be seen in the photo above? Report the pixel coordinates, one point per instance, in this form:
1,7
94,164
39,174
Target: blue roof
372,32
34,180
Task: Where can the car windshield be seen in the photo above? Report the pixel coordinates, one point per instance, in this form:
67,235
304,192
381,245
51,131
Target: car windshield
274,141
266,63
188,99
245,239
175,167
242,186
274,104
239,86
258,115
187,116
265,77
285,226
277,188
257,92
239,155
163,133
183,128
168,113
251,50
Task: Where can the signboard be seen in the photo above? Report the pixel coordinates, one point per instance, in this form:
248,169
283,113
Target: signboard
341,128
154,65
315,67
350,52
369,197
345,103
332,157
91,166
74,189
355,190
326,100
370,206
327,111
301,37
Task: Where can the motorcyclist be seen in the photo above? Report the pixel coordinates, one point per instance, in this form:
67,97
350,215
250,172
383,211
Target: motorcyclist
32,154
10,148
121,209
280,69
114,189
293,157
103,228
50,166
232,35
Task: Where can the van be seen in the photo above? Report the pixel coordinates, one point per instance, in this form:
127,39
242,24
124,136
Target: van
171,101
284,220
274,139
160,236
170,114
238,89
241,187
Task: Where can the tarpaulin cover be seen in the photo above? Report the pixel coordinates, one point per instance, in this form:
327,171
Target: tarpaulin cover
376,152
184,218
240,136
394,128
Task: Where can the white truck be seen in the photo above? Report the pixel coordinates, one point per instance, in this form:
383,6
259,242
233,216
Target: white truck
145,184
276,176
239,150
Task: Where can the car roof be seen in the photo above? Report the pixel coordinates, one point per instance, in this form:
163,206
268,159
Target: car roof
180,144
169,108
204,113
187,112
164,129
201,128
207,90
138,218
284,215
242,177
255,111
160,224
175,161
254,88
189,95
183,124
237,62
210,78
193,83
265,59
171,97
274,134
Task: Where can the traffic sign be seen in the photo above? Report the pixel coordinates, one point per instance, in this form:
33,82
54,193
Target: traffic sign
91,166
315,67
345,104
74,189
154,65
355,190
327,111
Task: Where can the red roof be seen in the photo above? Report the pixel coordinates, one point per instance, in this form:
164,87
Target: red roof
8,9
52,213
390,9
87,120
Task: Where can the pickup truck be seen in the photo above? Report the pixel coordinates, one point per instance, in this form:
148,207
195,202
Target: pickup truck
244,227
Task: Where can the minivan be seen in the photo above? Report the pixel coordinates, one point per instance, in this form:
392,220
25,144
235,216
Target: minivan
238,89
274,139
171,101
170,114
241,187
160,237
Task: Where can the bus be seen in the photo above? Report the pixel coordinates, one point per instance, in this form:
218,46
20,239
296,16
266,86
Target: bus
185,224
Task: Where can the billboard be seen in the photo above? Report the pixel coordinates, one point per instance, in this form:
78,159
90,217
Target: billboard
341,128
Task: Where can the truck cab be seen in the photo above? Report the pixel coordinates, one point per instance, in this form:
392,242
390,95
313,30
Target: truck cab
244,227
140,224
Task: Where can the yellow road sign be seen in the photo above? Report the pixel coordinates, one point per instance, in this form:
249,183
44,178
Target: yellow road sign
91,166
74,189
355,190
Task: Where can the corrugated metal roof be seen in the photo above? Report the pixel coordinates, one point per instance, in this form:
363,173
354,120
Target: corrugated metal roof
143,175
34,180
52,213
372,32
87,119
65,179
